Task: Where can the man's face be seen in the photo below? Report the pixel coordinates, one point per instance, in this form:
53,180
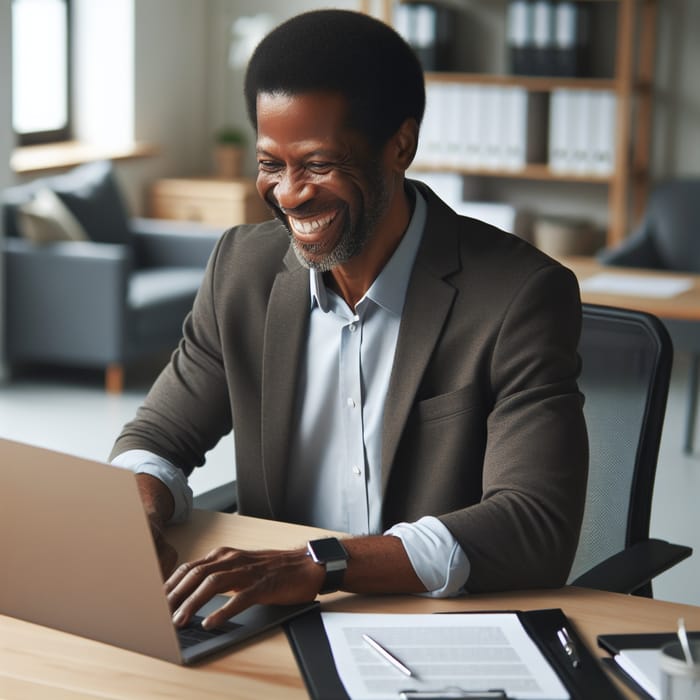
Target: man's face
321,178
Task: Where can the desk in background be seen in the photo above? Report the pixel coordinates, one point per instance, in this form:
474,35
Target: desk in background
38,663
680,314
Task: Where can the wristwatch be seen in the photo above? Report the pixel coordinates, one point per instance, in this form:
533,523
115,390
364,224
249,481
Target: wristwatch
330,553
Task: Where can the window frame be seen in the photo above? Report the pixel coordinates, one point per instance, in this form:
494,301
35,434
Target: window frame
65,133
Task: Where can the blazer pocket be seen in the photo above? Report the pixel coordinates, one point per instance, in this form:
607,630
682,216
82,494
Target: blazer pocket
448,405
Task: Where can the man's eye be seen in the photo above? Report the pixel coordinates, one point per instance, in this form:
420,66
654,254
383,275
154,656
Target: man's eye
269,166
319,166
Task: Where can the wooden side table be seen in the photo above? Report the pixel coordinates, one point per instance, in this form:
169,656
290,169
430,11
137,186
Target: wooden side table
208,200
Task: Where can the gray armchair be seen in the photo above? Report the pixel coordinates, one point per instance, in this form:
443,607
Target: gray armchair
119,294
667,239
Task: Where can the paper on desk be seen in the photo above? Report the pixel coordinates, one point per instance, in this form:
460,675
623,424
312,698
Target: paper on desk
473,651
644,666
652,286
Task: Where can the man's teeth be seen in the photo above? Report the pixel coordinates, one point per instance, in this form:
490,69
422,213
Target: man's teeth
310,225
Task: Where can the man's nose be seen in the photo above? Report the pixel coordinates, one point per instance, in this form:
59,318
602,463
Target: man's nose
291,190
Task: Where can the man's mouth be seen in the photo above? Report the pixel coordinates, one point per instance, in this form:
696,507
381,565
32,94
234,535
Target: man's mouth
309,226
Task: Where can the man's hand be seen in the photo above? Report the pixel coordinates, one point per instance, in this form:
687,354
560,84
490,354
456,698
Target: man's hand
271,576
377,564
158,504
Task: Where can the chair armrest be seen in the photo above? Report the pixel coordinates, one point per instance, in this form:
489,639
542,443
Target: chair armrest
634,567
166,243
66,299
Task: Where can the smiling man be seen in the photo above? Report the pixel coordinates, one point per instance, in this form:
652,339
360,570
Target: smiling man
389,369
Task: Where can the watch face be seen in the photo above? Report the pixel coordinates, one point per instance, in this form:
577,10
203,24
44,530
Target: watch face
327,549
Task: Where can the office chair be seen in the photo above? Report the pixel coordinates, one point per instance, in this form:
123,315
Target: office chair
667,240
626,358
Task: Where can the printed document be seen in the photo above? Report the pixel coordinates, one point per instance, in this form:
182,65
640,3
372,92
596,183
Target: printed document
473,651
650,286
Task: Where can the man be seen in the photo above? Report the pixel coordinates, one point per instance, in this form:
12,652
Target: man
397,372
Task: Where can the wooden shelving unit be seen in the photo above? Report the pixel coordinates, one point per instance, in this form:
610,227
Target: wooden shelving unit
631,83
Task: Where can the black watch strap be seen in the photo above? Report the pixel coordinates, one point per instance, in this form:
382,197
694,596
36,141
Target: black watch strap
329,553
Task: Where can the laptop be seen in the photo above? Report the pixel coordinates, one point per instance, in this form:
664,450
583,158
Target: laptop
76,555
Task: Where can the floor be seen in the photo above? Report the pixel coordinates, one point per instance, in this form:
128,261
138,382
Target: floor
74,414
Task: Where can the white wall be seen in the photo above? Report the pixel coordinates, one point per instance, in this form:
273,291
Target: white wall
225,86
170,76
676,145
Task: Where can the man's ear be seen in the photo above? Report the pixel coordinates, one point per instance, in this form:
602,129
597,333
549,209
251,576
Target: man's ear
404,144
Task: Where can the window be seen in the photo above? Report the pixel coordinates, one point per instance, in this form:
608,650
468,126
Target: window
40,70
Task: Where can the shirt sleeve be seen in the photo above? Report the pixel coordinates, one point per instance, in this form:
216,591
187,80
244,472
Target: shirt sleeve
438,560
145,462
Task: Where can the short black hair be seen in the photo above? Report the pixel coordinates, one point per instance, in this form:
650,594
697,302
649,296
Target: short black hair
344,52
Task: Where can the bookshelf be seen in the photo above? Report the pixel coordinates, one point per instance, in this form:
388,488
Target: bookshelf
631,48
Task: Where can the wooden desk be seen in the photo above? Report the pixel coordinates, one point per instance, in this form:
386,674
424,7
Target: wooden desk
684,307
38,663
680,314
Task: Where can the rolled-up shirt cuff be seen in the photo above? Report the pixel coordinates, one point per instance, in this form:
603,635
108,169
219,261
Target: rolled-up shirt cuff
436,556
145,462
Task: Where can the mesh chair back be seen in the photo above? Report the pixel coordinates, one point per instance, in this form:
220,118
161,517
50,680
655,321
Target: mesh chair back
626,368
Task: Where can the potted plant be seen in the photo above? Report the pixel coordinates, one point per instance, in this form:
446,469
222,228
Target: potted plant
228,152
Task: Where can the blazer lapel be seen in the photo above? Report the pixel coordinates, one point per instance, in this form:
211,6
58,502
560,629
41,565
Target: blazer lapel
285,334
428,301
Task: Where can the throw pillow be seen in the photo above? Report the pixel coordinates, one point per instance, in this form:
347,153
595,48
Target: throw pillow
92,194
46,219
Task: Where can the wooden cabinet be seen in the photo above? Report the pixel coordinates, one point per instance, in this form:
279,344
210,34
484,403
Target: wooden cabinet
630,42
208,200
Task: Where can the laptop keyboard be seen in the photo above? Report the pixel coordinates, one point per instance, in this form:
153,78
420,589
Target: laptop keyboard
194,633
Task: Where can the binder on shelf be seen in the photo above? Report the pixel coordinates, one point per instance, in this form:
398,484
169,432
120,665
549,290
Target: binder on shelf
454,137
571,37
474,126
429,29
519,36
582,123
492,153
472,119
431,135
582,680
604,123
560,136
526,124
543,37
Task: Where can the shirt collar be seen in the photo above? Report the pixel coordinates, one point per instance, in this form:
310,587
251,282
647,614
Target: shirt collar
389,288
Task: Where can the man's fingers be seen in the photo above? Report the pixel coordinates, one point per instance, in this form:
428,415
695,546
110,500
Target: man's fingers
235,604
280,577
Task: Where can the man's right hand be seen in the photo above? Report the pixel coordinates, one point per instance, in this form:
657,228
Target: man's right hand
158,504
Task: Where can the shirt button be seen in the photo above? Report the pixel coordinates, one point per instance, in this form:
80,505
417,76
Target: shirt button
356,470
352,327
351,402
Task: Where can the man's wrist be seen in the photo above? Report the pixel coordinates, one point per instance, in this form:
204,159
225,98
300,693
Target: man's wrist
330,554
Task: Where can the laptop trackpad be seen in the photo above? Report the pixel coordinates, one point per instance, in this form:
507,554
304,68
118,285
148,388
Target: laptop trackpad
196,642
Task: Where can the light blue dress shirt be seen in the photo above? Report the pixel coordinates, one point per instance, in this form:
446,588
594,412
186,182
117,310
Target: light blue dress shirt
343,384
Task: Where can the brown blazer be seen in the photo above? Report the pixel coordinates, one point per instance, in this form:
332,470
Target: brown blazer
483,425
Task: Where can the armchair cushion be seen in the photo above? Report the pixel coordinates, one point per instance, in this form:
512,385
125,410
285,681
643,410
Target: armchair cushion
91,192
159,299
45,219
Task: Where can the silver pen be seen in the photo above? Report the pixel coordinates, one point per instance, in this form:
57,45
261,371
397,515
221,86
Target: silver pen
387,655
569,647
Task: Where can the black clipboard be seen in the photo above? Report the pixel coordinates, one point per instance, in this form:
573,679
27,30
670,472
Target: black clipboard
309,642
615,643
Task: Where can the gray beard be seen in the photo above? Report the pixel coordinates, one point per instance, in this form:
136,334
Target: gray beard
353,239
